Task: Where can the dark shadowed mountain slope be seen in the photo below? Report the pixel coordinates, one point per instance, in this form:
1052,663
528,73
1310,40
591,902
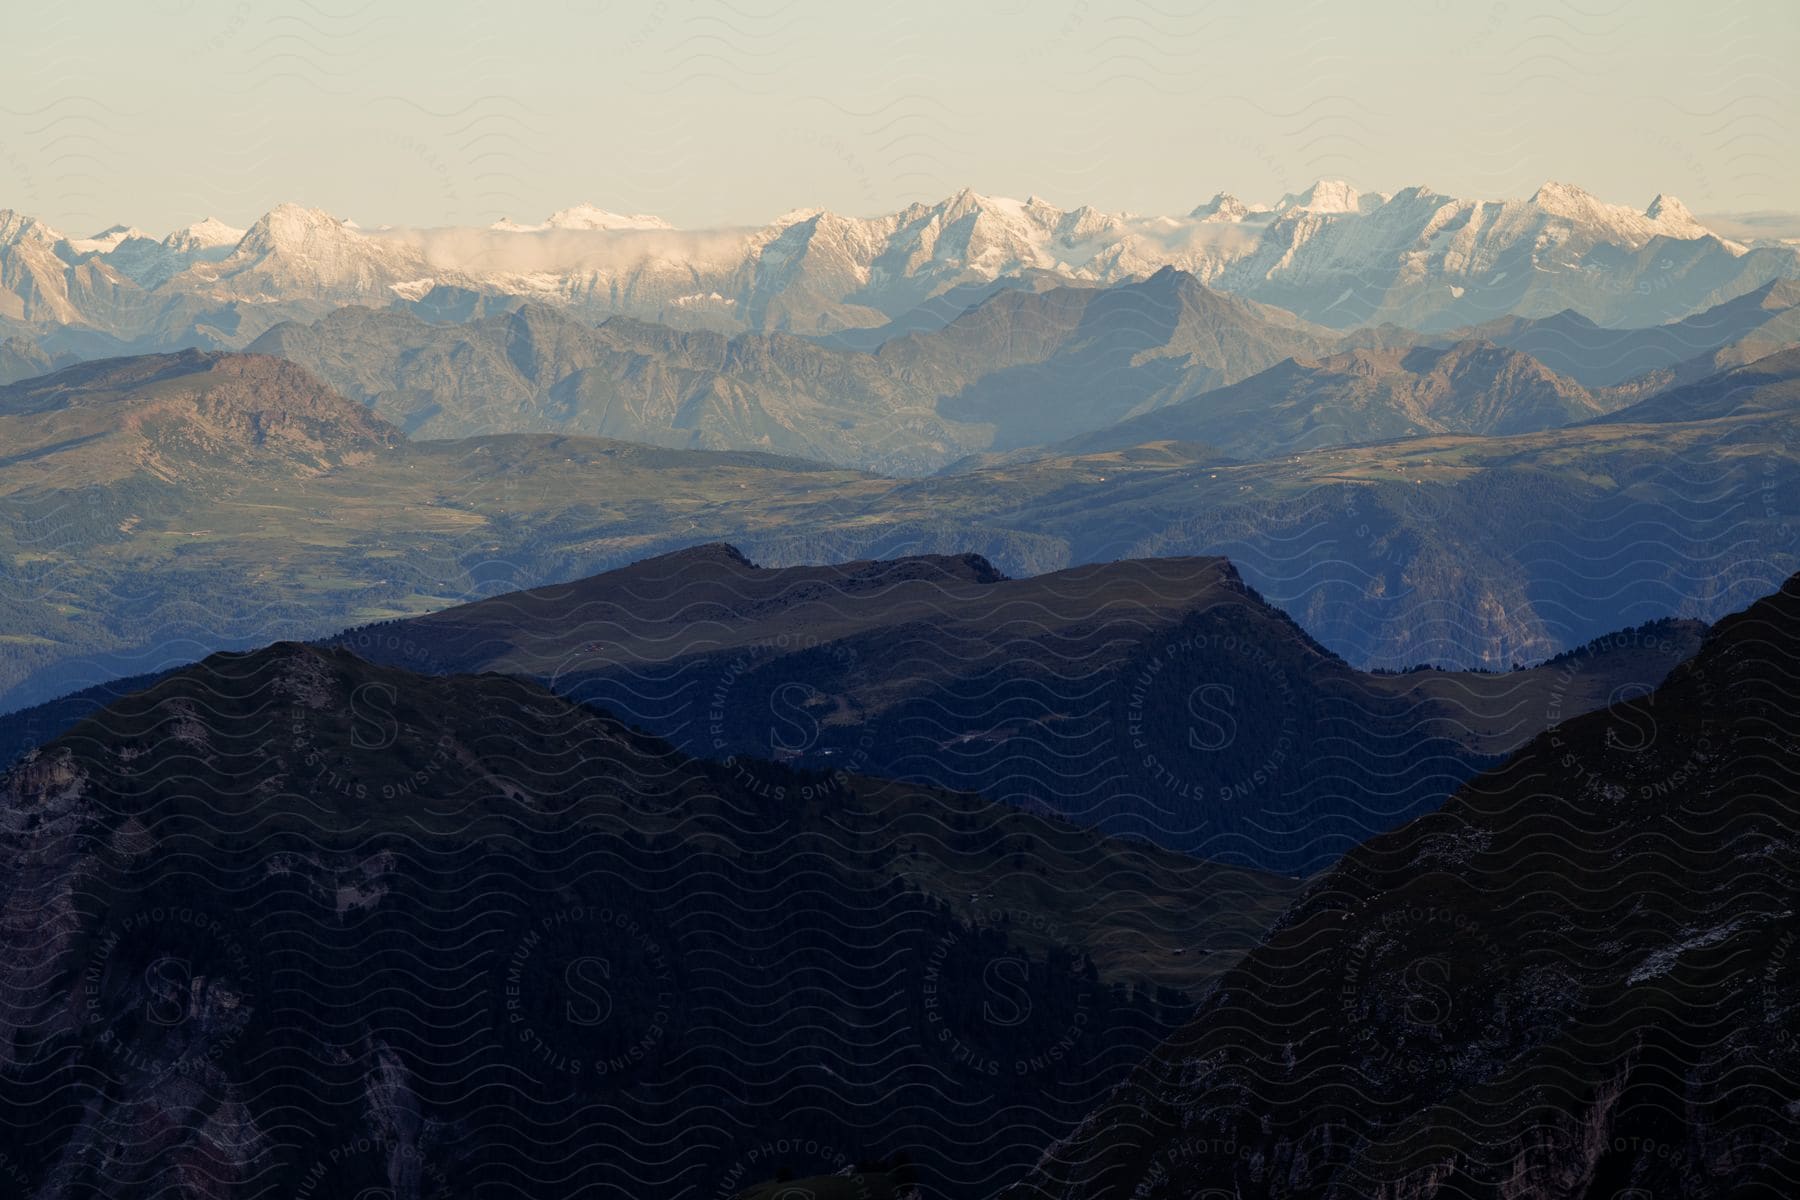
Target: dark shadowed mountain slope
1161,698
290,924
1577,981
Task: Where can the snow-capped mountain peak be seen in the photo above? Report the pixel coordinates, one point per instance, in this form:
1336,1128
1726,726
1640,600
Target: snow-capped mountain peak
1331,253
795,216
589,216
1223,207
1671,213
293,248
19,227
106,241
1568,200
208,234
1324,197
586,217
1618,223
294,227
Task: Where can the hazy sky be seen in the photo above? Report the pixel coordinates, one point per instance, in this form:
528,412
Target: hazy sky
158,112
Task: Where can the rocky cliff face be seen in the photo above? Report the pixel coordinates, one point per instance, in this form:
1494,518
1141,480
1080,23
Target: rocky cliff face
1578,980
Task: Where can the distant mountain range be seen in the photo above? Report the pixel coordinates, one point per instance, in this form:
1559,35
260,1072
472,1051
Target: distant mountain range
1416,258
161,507
1358,396
1012,370
1740,330
1082,368
1576,980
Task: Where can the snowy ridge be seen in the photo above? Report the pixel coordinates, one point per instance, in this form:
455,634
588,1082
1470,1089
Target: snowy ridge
1330,253
584,216
208,234
106,241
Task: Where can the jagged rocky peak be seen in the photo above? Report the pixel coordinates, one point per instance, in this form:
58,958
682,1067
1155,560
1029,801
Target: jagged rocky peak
1221,208
1666,216
964,200
17,227
1084,222
1675,218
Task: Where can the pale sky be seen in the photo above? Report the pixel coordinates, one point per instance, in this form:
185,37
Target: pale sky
159,112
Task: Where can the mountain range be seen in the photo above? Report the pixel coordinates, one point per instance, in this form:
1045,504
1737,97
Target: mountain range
1417,258
292,922
1740,330
1576,980
1160,699
1014,368
1361,395
1081,368
162,507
